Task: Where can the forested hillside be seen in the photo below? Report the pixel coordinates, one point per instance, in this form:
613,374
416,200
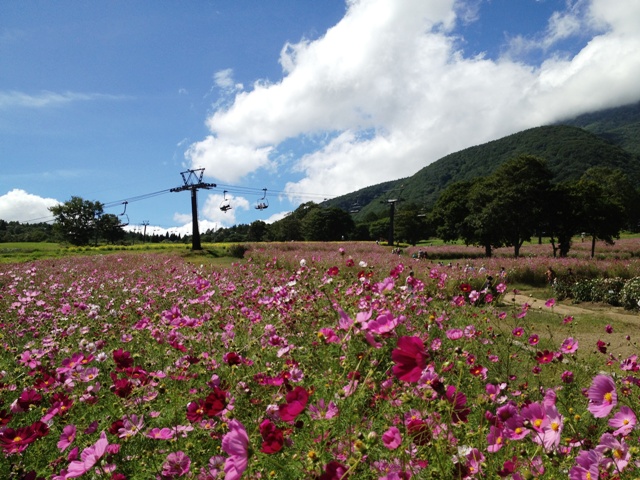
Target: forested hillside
569,151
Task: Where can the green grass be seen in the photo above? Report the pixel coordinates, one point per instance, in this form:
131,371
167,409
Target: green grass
21,252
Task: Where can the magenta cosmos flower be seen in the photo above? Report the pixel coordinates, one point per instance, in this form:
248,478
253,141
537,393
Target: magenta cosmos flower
296,403
236,444
176,465
410,359
602,396
391,438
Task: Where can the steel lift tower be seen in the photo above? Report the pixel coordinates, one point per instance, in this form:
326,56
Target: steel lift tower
193,181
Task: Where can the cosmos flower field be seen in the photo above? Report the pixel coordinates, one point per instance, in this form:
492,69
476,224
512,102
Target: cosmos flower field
319,361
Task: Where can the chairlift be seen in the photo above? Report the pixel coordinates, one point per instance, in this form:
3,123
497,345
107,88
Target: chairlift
124,214
263,203
225,205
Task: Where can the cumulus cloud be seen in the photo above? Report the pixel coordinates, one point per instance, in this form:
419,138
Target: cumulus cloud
389,90
211,210
20,206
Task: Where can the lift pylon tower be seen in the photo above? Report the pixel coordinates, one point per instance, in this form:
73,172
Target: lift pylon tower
193,181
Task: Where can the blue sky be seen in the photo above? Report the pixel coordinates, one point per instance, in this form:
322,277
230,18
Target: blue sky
309,99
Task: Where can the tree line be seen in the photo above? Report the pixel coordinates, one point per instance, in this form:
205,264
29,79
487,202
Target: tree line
517,202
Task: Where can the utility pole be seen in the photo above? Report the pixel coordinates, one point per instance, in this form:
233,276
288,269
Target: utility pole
392,204
193,181
145,223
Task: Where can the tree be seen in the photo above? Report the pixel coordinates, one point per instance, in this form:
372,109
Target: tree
597,210
410,225
110,228
257,231
560,222
508,207
76,220
450,211
327,224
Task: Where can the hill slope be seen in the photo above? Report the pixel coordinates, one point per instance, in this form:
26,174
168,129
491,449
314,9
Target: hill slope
569,151
620,126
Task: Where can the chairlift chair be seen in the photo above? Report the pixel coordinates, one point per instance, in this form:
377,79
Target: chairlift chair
124,215
263,203
225,206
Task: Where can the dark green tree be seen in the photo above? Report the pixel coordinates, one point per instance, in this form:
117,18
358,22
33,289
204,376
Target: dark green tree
257,231
448,215
76,220
410,226
110,228
599,213
327,224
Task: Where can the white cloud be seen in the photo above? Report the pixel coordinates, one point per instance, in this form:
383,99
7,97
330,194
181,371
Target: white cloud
20,206
49,99
211,210
275,217
393,93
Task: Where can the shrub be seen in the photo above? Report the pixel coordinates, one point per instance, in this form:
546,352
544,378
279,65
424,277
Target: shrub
238,251
630,294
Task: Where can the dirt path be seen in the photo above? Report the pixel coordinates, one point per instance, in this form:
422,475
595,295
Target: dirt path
566,308
622,342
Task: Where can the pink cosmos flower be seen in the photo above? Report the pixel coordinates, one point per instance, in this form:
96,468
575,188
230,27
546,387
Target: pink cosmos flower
624,421
454,334
67,437
587,465
517,332
553,429
176,465
495,439
385,323
236,444
323,411
602,396
608,329
614,452
534,339
161,433
550,303
391,438
536,417
569,345
410,359
88,458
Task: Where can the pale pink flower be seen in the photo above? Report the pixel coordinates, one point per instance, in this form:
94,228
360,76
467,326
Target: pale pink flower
236,444
88,458
624,421
161,433
570,345
614,452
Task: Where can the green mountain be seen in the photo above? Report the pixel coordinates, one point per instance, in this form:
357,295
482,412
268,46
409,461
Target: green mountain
620,126
609,138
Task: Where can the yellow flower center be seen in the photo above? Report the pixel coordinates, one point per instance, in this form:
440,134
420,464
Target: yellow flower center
608,397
